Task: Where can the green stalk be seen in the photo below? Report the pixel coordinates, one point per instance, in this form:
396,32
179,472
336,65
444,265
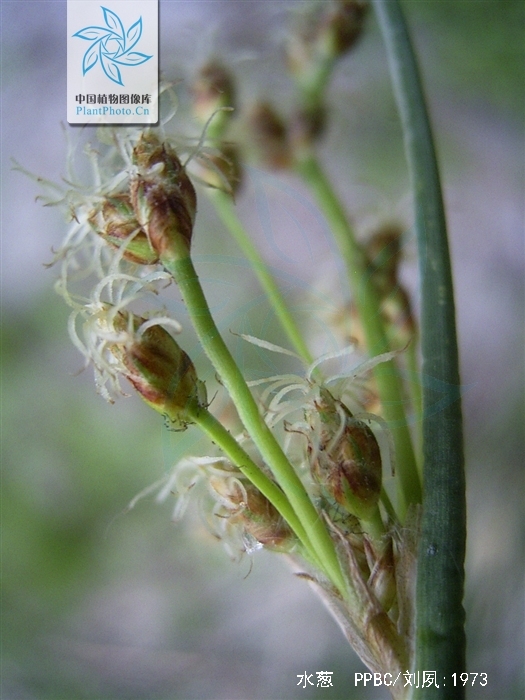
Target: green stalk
313,82
416,399
182,269
225,207
226,210
231,448
368,306
374,526
440,635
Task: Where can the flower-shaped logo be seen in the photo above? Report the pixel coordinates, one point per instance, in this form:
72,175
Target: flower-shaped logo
112,45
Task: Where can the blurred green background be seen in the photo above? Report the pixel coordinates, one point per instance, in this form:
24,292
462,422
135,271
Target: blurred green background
102,604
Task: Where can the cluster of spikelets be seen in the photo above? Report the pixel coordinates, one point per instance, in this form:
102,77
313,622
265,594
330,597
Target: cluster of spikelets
124,237
107,243
128,232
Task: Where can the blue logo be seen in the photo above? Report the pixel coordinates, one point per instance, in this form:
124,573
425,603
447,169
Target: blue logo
111,45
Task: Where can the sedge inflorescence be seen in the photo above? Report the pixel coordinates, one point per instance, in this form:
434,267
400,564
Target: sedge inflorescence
299,464
232,509
108,266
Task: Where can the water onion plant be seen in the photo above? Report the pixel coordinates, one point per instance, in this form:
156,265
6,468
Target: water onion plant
355,476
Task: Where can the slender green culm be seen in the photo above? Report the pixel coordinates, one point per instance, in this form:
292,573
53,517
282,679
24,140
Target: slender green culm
226,210
367,302
440,636
186,277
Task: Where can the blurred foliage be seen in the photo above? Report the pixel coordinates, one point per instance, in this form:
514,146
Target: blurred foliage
478,47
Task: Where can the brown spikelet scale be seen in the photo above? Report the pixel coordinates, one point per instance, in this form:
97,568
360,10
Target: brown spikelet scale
270,136
212,89
347,462
163,197
116,222
160,370
250,510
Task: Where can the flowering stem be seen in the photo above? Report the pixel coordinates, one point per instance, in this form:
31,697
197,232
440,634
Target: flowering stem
368,306
231,448
225,208
440,635
185,275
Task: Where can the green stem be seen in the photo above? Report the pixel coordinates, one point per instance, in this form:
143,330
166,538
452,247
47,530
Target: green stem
312,83
440,635
226,210
374,526
389,508
368,306
185,275
416,398
231,448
